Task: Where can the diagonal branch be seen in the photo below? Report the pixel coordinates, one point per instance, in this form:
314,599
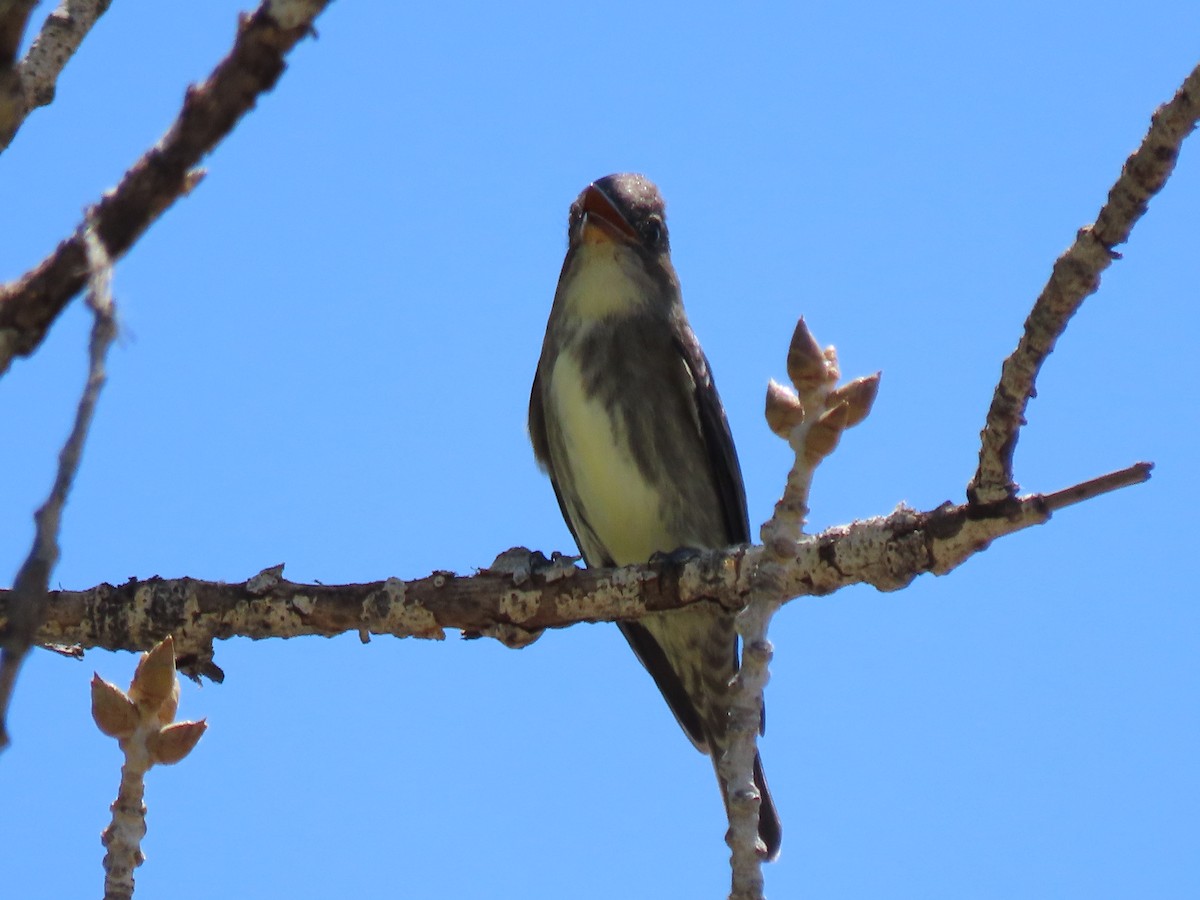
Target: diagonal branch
27,604
32,83
14,16
1075,276
210,111
61,34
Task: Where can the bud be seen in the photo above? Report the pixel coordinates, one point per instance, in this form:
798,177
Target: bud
823,437
805,361
154,681
115,714
784,411
858,395
174,742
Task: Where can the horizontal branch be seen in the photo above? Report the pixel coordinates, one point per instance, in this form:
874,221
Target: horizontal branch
165,172
523,593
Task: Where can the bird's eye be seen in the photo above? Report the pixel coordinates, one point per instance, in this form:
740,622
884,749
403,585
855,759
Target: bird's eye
654,231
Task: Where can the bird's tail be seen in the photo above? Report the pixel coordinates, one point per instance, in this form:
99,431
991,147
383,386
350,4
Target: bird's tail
770,831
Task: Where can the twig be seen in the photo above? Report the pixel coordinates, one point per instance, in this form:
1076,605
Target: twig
27,602
210,111
812,420
1135,474
61,34
14,16
143,722
1076,275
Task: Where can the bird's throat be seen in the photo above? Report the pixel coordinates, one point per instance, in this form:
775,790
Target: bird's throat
605,280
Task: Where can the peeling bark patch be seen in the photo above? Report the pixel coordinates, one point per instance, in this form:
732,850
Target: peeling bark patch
616,596
304,605
906,557
520,606
389,611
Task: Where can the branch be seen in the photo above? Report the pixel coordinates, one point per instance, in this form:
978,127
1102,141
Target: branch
210,111
27,604
61,34
14,16
1075,276
515,602
811,418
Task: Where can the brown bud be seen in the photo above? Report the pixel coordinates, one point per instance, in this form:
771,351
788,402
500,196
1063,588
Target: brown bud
805,362
154,681
858,395
784,411
174,742
825,433
170,706
115,714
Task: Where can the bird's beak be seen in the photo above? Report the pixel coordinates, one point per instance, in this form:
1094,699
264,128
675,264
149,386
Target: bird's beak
602,221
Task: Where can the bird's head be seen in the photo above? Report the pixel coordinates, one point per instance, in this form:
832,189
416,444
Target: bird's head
618,255
624,209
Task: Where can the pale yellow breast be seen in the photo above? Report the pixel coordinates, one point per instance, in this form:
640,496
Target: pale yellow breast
615,498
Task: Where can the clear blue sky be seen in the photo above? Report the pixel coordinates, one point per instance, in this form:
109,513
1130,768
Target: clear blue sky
325,360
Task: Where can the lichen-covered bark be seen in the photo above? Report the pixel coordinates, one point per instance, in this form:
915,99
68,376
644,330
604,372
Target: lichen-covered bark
515,603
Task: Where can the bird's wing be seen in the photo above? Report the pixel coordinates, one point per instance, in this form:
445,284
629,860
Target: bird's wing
718,441
727,477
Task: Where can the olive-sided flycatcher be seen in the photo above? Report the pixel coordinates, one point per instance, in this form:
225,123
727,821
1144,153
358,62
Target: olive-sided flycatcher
625,418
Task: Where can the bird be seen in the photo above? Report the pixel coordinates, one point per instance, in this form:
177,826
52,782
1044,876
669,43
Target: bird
626,420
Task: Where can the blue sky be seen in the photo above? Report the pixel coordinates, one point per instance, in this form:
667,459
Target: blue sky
325,359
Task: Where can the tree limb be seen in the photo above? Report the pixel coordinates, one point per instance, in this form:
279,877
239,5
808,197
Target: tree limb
29,305
514,603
